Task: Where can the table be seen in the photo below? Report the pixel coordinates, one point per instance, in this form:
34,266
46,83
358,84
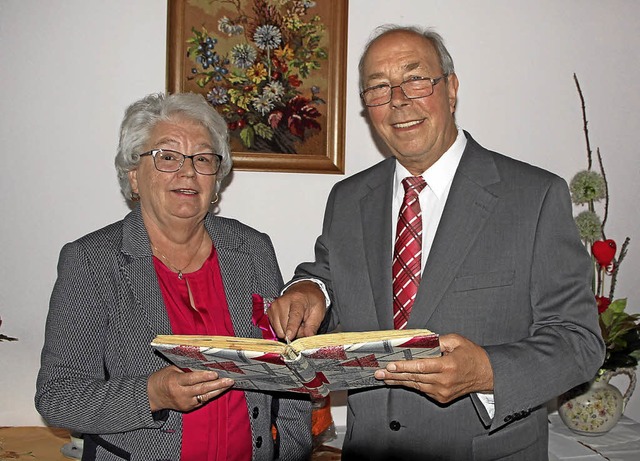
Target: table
33,443
622,443
44,443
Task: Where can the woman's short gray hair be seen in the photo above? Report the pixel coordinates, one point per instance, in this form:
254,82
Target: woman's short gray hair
445,60
142,116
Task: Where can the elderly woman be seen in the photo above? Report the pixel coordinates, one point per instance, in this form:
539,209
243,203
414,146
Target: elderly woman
169,267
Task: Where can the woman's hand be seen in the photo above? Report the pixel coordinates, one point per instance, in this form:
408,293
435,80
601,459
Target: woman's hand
173,389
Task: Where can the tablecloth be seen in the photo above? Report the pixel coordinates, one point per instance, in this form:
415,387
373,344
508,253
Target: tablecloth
622,443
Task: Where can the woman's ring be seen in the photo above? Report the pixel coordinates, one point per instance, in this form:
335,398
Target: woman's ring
199,399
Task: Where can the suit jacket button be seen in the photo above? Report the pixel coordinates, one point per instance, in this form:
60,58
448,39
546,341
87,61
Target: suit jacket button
258,441
394,425
508,418
255,413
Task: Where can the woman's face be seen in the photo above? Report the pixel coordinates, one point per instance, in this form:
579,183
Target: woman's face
184,194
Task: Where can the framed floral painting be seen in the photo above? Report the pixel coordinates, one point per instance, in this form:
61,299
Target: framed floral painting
274,69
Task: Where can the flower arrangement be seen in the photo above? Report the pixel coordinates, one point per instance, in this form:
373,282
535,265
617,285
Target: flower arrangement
620,330
258,86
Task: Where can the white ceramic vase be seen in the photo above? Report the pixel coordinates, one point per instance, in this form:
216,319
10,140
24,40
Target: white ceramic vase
594,408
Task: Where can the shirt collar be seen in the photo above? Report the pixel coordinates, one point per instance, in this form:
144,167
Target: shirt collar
439,175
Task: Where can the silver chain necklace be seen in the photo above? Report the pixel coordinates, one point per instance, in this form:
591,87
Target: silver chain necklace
174,268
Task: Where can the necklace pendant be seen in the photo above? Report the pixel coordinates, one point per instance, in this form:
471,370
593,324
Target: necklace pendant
180,275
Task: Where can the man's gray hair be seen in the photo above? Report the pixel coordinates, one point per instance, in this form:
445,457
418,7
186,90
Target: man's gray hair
444,58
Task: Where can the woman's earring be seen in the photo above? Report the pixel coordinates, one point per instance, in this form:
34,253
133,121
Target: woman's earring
135,197
214,200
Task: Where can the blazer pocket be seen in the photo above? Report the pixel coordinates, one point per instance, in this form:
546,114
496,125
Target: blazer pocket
508,443
485,280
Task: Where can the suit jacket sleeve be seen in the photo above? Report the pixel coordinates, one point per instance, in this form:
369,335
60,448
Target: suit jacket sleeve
78,341
564,346
320,269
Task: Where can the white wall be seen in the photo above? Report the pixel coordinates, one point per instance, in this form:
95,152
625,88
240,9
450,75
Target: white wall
70,67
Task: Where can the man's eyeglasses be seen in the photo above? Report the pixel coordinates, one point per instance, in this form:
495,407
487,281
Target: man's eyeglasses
170,161
414,88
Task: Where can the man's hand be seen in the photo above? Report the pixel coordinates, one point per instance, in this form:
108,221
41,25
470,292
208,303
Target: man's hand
463,368
298,312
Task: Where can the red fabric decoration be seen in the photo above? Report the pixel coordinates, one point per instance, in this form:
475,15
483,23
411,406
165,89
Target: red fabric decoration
260,317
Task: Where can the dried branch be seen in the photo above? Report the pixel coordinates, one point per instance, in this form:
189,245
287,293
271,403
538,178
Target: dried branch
585,123
606,193
614,272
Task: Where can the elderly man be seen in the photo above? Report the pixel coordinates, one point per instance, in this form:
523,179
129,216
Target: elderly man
469,243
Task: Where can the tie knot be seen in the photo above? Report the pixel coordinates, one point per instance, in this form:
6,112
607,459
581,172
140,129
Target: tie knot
413,185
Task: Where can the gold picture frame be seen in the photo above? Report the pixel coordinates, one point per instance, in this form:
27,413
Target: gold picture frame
276,71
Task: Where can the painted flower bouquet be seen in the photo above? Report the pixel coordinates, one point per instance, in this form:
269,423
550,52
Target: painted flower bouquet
258,85
620,330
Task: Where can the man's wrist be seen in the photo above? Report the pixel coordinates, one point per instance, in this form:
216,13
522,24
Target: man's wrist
319,283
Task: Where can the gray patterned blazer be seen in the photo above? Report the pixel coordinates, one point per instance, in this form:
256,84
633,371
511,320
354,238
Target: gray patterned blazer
105,309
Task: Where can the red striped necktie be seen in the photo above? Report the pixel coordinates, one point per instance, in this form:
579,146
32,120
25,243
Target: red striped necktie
407,253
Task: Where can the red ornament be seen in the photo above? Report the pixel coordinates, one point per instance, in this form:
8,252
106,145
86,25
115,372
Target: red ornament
604,251
603,303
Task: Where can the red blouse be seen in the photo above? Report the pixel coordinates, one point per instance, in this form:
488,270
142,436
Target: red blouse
220,429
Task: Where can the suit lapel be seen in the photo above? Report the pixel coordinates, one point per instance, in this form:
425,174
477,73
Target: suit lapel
140,274
468,206
376,228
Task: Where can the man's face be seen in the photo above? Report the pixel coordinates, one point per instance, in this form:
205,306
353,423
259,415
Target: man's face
418,131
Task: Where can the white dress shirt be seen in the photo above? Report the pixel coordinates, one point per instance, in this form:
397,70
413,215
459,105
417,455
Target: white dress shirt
433,198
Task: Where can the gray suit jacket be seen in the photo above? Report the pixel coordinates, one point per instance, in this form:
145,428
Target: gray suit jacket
507,270
105,309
